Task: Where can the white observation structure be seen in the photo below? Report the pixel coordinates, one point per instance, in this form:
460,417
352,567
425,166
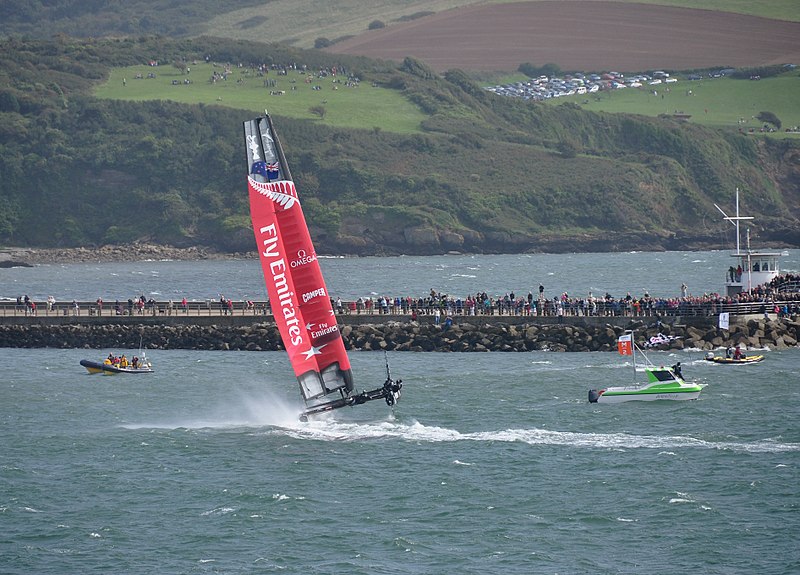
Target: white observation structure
750,268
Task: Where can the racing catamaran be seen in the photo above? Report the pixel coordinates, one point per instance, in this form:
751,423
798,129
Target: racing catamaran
300,301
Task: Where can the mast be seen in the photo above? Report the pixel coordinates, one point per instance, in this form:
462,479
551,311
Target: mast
738,249
735,221
749,263
744,258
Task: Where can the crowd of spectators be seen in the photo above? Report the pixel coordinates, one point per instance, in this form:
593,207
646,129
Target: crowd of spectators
338,75
764,299
780,297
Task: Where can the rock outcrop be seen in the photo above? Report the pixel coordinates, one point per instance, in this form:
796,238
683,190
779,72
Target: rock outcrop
408,336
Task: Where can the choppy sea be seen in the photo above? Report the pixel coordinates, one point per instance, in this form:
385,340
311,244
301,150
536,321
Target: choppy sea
492,463
660,274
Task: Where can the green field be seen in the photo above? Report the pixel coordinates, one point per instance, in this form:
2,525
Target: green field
719,102
364,106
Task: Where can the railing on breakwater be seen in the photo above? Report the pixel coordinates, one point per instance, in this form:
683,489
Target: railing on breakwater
208,308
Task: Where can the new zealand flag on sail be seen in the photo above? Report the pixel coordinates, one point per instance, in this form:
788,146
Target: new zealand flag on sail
269,171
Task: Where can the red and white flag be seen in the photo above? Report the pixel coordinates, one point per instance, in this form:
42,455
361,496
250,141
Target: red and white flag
625,344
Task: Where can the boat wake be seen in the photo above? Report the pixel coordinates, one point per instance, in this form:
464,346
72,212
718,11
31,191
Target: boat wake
335,431
247,411
280,418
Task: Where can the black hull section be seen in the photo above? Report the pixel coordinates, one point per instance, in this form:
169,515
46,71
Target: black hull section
390,393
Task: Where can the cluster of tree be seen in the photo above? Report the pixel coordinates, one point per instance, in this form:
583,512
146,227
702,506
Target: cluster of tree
485,173
533,71
769,118
759,72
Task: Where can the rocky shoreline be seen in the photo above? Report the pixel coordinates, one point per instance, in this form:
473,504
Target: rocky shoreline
26,257
143,251
407,336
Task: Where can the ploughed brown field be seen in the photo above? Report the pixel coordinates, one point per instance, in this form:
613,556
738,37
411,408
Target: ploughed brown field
583,35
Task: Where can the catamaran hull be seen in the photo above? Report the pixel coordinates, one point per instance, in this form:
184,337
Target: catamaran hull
302,305
390,393
611,396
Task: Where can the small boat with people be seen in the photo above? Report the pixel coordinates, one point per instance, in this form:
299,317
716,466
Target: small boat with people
733,357
663,383
113,365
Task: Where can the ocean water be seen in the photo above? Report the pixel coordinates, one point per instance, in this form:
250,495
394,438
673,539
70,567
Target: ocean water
660,274
492,463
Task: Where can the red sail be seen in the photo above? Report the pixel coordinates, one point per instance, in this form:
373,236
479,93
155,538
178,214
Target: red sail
298,297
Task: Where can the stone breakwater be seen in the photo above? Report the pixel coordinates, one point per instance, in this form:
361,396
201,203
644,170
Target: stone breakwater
408,336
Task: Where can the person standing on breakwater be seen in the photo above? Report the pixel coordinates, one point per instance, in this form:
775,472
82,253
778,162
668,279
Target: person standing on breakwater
684,290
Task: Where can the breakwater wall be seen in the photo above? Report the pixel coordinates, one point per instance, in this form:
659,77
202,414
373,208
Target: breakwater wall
463,336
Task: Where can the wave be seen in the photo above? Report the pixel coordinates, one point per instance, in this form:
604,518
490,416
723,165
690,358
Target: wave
332,430
246,412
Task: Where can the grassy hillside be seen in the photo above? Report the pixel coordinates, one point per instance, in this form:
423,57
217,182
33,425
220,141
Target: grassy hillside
478,173
345,101
720,102
297,22
302,22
